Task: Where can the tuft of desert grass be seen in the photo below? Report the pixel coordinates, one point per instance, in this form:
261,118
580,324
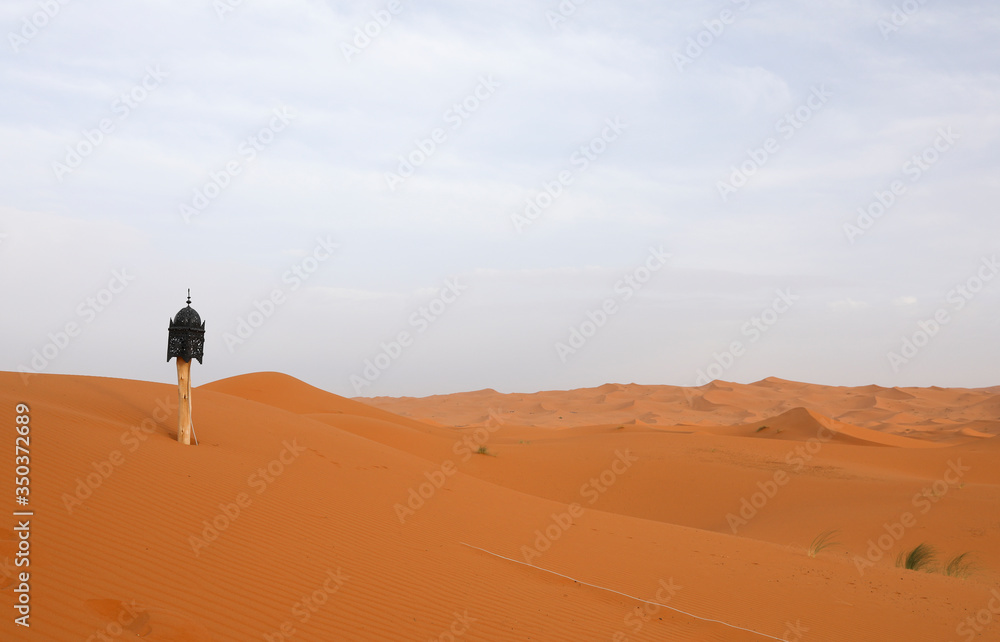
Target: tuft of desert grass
960,566
822,541
918,559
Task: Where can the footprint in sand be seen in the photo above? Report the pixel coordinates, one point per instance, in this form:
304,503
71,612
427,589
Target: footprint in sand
128,618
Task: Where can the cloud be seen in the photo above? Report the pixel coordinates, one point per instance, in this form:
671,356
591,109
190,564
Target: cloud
658,184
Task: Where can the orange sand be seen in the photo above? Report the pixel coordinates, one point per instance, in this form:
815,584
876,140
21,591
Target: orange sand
640,489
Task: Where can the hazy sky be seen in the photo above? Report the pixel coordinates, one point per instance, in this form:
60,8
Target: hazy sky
409,198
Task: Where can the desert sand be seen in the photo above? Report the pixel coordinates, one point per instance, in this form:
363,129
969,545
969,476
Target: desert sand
307,516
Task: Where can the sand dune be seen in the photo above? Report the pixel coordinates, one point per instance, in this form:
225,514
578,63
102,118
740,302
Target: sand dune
306,516
888,410
802,424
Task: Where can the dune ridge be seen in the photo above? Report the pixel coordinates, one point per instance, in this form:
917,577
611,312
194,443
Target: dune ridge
929,414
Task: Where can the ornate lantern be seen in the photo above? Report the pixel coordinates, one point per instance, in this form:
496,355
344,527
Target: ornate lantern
186,335
185,341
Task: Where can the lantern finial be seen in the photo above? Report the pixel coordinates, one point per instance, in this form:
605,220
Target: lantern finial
189,296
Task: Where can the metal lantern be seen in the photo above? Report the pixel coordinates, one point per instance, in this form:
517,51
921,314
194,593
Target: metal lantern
186,335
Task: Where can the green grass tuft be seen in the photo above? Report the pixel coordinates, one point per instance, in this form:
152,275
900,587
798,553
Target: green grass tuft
919,559
822,541
960,566
762,428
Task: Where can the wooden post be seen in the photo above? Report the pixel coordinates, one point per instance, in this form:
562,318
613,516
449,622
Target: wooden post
184,401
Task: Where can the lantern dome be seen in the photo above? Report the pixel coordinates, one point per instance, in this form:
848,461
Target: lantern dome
187,318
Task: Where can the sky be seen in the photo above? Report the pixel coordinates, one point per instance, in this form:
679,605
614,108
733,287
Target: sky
398,197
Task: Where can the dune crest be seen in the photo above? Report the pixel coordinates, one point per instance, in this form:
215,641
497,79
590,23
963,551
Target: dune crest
802,424
897,416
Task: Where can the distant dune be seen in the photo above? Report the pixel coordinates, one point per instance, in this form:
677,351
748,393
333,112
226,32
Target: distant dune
307,516
929,414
